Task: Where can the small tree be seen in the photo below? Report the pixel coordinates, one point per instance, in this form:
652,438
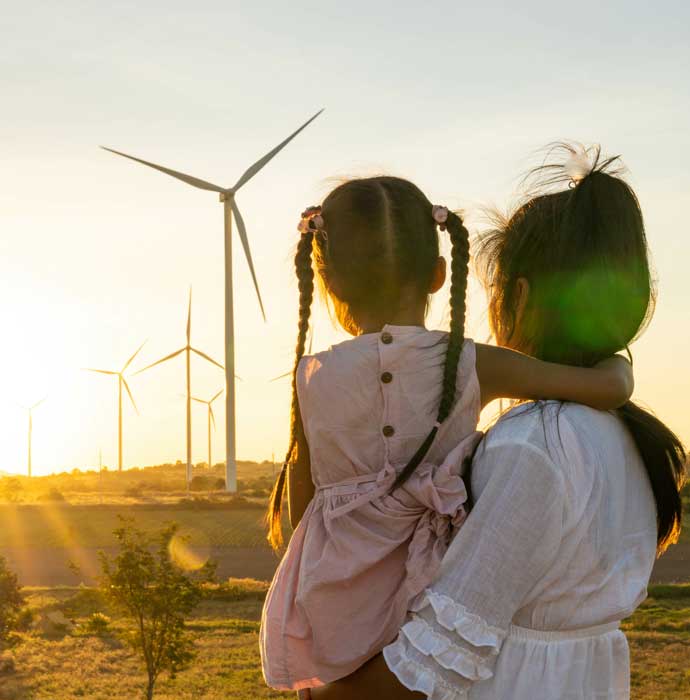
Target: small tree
155,595
11,601
11,489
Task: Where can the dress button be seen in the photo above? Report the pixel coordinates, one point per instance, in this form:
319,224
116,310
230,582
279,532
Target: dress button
386,338
386,377
388,431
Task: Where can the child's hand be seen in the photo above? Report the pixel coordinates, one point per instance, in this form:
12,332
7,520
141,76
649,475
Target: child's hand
617,373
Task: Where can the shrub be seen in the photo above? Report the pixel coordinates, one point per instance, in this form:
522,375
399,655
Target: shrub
52,495
155,596
11,489
11,601
97,624
235,589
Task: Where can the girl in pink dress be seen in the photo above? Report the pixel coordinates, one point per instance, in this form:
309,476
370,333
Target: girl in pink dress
382,426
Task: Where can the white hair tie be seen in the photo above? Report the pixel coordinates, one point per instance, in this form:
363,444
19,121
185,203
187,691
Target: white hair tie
440,215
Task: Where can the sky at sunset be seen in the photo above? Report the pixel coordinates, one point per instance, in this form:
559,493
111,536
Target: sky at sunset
97,254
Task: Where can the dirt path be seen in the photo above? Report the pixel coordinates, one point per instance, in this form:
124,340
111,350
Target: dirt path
50,566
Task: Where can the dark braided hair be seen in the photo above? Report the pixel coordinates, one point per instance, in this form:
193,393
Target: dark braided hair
305,277
376,243
460,256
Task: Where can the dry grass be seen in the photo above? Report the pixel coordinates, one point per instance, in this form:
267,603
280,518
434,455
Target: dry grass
225,626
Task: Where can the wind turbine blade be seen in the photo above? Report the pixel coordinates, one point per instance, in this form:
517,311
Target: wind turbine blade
213,418
242,230
254,169
189,179
280,376
217,395
163,359
38,403
129,362
100,371
198,400
206,357
129,393
237,376
189,316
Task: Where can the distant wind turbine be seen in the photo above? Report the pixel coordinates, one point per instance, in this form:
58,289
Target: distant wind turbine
121,382
188,350
230,209
289,374
30,410
211,421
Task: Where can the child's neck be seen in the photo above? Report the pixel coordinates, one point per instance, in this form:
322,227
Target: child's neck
402,317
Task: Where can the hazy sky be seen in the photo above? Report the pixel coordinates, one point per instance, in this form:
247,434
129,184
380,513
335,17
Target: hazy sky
97,254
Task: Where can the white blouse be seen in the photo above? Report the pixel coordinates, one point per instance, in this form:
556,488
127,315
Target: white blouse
558,550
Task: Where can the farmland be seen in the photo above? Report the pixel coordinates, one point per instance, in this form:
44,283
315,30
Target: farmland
43,538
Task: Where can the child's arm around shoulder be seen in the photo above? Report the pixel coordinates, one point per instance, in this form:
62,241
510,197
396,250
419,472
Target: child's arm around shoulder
509,374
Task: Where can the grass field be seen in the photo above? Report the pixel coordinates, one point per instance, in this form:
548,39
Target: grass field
73,665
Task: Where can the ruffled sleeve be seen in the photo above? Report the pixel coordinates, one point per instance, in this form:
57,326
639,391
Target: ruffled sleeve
456,626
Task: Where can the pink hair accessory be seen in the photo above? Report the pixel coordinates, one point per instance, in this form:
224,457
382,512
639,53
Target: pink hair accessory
440,215
311,220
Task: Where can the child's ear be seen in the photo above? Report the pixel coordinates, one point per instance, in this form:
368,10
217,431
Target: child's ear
521,296
439,276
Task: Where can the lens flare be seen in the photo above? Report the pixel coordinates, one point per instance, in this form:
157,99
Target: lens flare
190,549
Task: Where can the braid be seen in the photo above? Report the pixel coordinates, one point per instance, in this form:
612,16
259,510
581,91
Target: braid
460,256
305,277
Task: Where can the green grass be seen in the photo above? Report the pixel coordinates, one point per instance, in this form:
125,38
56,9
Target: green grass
225,626
659,636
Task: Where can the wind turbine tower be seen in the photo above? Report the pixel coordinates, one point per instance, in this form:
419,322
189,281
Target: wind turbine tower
230,211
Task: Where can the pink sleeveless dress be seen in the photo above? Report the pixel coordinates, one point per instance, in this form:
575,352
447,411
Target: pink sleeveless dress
361,554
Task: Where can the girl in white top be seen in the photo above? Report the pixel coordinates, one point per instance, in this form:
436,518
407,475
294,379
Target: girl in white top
382,427
572,504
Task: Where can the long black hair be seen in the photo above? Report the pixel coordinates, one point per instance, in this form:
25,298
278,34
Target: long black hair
579,241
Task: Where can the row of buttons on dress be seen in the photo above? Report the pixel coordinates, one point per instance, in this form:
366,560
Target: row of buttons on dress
387,378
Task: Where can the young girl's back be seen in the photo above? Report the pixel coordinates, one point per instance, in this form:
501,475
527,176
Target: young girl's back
361,553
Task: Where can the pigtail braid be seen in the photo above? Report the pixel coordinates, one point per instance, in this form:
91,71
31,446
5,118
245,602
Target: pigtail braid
459,266
305,278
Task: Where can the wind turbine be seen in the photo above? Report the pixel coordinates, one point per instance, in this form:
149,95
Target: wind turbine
188,350
309,349
30,410
121,382
230,210
211,421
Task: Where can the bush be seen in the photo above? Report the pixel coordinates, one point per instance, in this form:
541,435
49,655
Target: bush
155,596
11,489
235,589
207,482
11,601
97,624
53,495
133,491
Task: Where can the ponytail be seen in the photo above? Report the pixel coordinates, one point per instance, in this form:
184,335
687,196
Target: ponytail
460,256
664,458
305,277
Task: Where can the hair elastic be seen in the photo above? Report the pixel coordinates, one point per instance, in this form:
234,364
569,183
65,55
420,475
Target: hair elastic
311,220
440,215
